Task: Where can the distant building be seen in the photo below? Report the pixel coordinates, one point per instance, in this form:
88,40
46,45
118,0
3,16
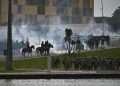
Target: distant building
35,11
3,12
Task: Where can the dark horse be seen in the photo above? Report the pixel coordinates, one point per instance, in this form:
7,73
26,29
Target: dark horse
44,50
47,49
27,50
39,51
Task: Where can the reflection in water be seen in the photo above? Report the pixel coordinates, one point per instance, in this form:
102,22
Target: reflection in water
60,82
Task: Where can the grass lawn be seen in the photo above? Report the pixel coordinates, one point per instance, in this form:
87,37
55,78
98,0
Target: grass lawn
41,63
102,53
113,53
20,65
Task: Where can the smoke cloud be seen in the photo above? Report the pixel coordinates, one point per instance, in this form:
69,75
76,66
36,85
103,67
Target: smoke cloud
53,31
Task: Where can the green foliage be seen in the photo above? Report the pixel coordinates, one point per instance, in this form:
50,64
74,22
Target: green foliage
64,61
55,62
68,34
115,20
37,63
113,53
67,63
27,64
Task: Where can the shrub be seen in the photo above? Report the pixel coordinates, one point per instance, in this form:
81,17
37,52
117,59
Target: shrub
55,62
67,63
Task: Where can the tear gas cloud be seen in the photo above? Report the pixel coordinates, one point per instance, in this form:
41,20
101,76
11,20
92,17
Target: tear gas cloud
54,31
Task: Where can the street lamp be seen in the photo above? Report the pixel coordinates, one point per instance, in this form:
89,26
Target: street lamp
102,17
9,57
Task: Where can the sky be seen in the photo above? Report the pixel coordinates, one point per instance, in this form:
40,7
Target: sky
108,5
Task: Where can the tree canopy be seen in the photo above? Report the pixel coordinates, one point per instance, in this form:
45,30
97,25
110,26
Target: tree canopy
68,34
115,20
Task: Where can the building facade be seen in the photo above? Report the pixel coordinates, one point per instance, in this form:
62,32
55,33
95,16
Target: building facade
3,12
37,11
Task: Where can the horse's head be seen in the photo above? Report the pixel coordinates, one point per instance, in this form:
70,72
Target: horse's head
51,46
33,47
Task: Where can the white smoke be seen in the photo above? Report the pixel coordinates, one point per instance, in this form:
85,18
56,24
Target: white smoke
53,31
3,33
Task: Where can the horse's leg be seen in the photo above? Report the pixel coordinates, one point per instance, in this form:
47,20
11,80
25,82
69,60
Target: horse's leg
45,52
28,54
24,54
31,54
48,52
42,52
36,53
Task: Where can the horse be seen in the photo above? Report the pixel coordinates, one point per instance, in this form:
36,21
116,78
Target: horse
27,50
44,50
40,51
47,48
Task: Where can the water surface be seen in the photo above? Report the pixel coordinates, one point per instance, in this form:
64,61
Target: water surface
61,82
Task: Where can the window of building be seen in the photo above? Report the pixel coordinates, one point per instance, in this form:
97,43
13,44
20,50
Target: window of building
60,11
85,11
75,3
41,2
35,2
31,2
86,3
41,10
91,11
76,11
19,9
63,3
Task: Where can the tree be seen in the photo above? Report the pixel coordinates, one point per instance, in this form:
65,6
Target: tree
78,45
73,45
68,34
115,20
